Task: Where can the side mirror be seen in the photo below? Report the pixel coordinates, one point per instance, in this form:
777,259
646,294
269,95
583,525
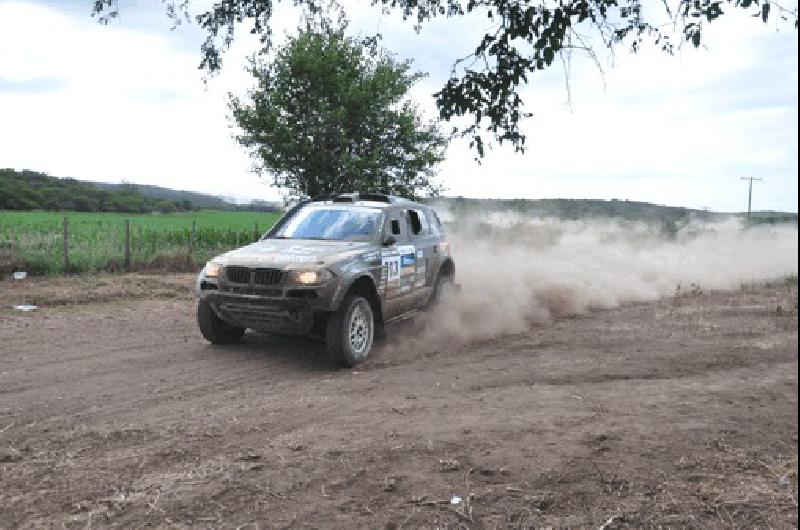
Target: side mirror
389,240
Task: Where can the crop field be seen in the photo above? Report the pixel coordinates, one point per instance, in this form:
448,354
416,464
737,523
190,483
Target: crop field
34,241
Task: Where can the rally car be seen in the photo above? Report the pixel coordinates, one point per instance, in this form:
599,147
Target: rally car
338,268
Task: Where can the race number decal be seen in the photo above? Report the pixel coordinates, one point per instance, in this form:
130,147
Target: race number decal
400,267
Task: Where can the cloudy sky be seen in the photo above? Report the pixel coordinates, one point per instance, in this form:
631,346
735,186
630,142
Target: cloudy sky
125,102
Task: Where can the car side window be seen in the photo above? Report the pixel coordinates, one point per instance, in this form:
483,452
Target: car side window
396,226
418,223
434,223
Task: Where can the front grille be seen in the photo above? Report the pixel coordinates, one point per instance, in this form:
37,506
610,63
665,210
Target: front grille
237,274
260,276
260,291
268,277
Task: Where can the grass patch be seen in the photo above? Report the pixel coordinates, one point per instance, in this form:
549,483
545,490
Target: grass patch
34,241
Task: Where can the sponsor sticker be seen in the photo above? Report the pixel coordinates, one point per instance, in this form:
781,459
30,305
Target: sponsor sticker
300,249
370,256
392,266
408,255
406,249
297,258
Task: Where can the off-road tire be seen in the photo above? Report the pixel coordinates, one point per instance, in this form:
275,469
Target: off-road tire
350,332
442,289
215,330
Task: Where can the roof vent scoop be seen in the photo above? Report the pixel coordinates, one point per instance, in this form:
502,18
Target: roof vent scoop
375,197
355,197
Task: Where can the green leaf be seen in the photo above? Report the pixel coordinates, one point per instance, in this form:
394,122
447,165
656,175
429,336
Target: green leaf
331,113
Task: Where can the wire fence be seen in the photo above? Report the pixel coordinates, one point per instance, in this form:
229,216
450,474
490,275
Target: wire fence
76,247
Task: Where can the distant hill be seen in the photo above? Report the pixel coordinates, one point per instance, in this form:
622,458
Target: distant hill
198,200
32,190
670,216
569,208
771,217
668,219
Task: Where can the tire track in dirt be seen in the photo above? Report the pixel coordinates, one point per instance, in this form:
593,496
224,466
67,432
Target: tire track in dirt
144,423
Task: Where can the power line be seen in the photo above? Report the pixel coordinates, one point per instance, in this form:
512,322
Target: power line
750,195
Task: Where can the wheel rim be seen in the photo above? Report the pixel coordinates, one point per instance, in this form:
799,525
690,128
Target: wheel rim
359,331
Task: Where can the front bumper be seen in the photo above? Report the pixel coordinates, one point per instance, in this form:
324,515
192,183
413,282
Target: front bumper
277,309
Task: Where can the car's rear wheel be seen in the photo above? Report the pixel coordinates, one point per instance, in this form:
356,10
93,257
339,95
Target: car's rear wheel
443,290
350,331
214,329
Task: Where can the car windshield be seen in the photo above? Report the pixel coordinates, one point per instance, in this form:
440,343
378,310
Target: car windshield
333,223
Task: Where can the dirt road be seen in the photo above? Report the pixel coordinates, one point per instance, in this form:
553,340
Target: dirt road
116,413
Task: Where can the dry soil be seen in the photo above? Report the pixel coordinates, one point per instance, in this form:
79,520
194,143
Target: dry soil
115,412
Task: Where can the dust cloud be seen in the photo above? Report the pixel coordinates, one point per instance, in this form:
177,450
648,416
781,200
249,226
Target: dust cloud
516,271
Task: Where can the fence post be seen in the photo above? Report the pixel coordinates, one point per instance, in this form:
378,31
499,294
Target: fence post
66,246
139,243
191,245
127,245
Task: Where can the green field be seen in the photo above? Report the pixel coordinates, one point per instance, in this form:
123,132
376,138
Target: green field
33,241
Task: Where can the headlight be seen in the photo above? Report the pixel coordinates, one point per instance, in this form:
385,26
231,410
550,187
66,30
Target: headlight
213,270
310,277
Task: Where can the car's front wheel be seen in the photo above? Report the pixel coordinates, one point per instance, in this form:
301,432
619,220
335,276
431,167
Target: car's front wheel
214,329
350,331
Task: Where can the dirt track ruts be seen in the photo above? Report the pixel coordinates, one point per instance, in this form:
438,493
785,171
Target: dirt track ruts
681,413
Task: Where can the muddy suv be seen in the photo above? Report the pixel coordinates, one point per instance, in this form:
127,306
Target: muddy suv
338,269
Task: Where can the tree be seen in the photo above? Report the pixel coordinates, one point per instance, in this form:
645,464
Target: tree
166,206
331,113
527,36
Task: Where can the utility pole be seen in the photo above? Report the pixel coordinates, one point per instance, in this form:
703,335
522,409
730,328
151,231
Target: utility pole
750,195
